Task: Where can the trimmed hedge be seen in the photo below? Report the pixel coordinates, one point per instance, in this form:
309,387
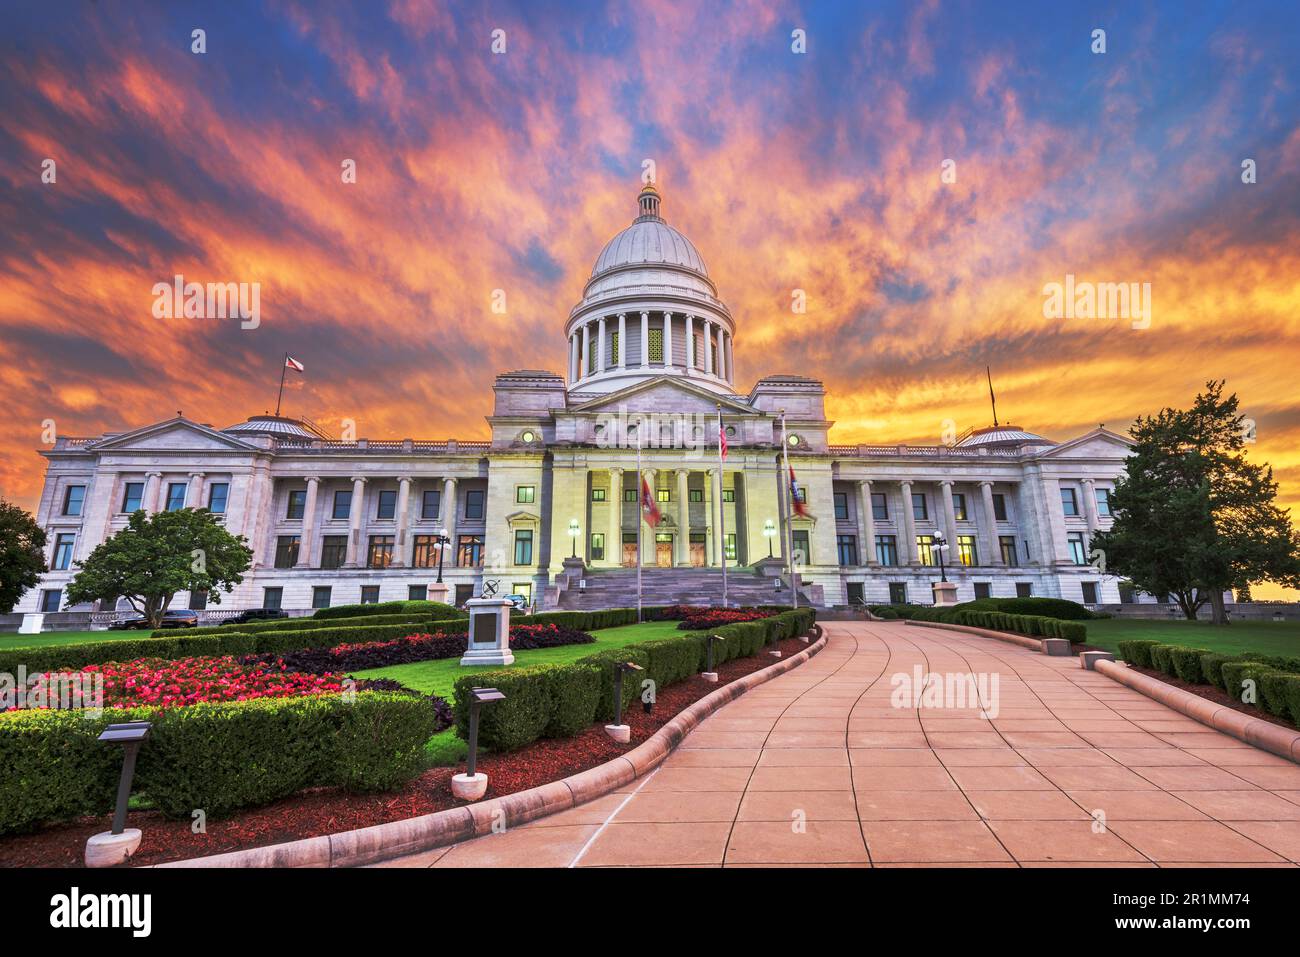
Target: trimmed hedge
307,624
1137,651
214,757
429,609
1186,664
976,615
1059,608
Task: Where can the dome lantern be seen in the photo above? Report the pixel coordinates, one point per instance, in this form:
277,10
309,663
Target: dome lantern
648,201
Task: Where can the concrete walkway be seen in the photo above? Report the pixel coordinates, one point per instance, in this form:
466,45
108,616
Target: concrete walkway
818,767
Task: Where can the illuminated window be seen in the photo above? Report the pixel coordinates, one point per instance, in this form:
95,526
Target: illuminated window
656,345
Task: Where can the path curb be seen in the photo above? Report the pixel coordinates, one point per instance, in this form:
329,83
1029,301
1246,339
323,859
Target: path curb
380,842
1264,735
1024,641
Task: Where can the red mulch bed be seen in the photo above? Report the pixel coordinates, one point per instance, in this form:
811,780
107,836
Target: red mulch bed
1214,694
328,810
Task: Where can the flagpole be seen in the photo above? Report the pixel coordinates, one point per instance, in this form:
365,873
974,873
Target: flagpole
789,510
722,510
284,367
640,509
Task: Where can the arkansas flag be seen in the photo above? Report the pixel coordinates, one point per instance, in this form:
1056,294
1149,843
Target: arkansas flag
648,504
291,363
796,496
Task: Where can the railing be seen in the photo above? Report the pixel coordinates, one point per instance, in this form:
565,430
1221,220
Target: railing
934,450
382,446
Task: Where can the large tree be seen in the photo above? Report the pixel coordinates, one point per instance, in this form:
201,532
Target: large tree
156,556
1193,518
22,554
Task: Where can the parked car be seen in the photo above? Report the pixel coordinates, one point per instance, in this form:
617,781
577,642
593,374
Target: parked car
256,614
172,618
519,601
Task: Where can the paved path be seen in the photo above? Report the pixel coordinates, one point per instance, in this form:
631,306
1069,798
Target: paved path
819,767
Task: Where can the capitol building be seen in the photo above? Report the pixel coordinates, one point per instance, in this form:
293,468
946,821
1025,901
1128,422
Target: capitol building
549,506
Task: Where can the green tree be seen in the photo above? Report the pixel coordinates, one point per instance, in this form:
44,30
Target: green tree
22,554
156,556
1193,518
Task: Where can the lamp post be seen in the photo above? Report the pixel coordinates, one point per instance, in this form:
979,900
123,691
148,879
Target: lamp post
619,731
471,785
940,544
442,541
113,847
574,531
769,532
945,592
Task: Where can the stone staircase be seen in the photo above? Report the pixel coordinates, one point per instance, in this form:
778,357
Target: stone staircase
616,588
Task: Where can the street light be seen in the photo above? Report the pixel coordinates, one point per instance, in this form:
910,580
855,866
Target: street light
939,544
471,785
574,531
441,540
113,847
769,532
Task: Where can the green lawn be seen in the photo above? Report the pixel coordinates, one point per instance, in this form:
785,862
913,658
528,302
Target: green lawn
439,676
1263,637
50,638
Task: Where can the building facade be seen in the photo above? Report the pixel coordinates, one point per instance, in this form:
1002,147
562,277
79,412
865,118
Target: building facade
550,505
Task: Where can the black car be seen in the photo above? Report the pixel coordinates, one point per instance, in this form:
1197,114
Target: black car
172,618
256,614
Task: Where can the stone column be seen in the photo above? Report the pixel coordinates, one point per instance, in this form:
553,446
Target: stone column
708,352
722,354
601,355
645,339
622,340
731,357
682,543
668,339
403,521
1053,520
193,494
909,555
614,534
573,358
867,523
447,513
355,515
949,523
1090,506
647,533
991,542
586,349
152,490
690,343
307,532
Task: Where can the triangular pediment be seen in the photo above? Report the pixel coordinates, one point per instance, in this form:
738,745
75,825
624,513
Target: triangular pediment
664,394
173,435
1099,443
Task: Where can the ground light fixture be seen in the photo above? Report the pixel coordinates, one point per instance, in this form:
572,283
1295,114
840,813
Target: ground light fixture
709,674
619,731
574,531
472,785
769,532
113,847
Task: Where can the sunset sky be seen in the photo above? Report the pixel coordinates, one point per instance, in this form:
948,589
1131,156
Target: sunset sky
479,171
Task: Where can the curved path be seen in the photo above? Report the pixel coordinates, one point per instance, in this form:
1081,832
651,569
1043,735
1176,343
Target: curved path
820,766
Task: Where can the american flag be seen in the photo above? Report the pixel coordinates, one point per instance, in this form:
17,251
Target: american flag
796,496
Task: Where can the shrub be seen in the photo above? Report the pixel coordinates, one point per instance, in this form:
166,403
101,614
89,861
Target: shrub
431,610
1186,663
1075,631
1291,689
673,659
306,624
1273,694
605,661
1043,607
1160,658
517,720
573,695
1237,673
1137,651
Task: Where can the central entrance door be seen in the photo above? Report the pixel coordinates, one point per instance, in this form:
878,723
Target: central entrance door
664,550
697,551
629,551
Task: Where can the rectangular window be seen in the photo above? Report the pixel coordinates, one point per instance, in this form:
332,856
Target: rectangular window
474,503
218,495
925,549
132,496
657,345
286,551
1078,554
898,593
1069,504
959,506
387,507
886,549
846,547
429,504
320,596
982,590
598,495
629,495
999,507
417,592
175,496
469,551
597,546
661,495
62,552
342,503
50,600
1089,593
919,511
1103,502
380,552
370,594
1007,545
426,552
297,503
879,507
523,546
729,546
73,499
333,551
271,598
525,494
842,507
1024,589
695,495
728,494
967,553
802,552
613,347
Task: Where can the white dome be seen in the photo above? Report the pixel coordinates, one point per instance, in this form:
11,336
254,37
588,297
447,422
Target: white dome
649,242
1004,435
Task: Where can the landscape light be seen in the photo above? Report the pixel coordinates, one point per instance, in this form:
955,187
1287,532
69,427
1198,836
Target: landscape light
471,785
709,674
109,848
619,731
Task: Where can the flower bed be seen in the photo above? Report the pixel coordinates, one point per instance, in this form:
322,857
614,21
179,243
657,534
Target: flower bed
700,618
412,648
